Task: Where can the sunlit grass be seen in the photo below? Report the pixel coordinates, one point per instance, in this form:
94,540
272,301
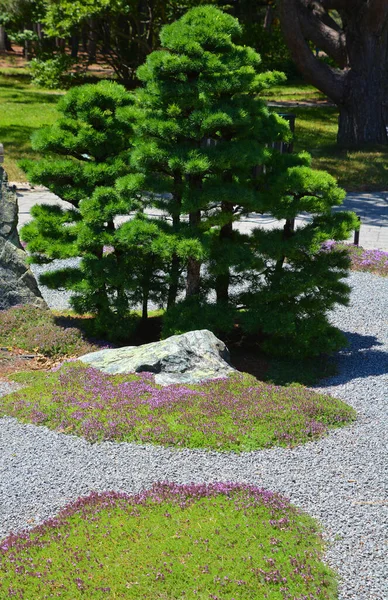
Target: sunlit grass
23,110
199,542
294,92
316,131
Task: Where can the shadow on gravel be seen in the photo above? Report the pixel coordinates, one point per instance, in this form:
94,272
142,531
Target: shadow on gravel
360,359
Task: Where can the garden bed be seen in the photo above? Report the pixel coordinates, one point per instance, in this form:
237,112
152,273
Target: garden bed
234,414
219,541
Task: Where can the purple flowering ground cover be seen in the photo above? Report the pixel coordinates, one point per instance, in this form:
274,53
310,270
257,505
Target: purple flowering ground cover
237,414
361,259
220,541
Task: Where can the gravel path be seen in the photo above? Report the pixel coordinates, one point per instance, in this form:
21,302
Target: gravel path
341,479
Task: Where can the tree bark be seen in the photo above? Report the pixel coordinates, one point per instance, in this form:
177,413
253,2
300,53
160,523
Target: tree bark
174,281
175,261
92,41
360,48
223,279
362,119
3,46
74,41
144,307
193,279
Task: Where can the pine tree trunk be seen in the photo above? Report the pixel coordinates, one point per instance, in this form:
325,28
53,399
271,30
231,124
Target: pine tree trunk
3,46
174,281
193,280
144,310
175,261
223,279
74,45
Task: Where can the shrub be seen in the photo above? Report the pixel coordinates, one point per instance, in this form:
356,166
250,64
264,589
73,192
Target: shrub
50,73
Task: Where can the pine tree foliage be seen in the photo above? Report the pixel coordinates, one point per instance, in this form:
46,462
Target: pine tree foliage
86,150
205,143
201,128
298,282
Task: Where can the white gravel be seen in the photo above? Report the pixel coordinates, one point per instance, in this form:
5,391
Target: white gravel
340,479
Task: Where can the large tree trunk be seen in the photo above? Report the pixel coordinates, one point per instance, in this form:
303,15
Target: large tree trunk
359,46
361,119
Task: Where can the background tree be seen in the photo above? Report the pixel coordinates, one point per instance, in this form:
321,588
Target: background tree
356,40
122,31
21,22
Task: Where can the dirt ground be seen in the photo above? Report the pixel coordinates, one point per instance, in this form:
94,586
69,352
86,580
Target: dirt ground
13,361
15,60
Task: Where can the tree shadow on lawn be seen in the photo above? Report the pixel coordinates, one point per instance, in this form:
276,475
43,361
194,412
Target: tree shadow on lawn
29,97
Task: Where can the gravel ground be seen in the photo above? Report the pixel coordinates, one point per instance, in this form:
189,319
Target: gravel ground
340,479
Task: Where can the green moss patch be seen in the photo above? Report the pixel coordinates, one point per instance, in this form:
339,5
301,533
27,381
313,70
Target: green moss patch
218,541
234,414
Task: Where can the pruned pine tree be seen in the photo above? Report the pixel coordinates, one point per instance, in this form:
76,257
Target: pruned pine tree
206,145
201,129
296,283
86,150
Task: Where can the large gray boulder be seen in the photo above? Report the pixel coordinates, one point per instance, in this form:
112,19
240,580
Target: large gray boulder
17,282
188,358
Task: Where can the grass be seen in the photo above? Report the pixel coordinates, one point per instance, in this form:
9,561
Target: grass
316,131
294,91
215,541
234,414
24,109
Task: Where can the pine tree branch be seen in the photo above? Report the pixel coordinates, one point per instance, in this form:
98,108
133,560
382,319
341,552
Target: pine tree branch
330,81
321,29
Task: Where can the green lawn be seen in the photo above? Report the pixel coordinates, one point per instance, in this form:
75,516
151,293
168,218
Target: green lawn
316,131
25,108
